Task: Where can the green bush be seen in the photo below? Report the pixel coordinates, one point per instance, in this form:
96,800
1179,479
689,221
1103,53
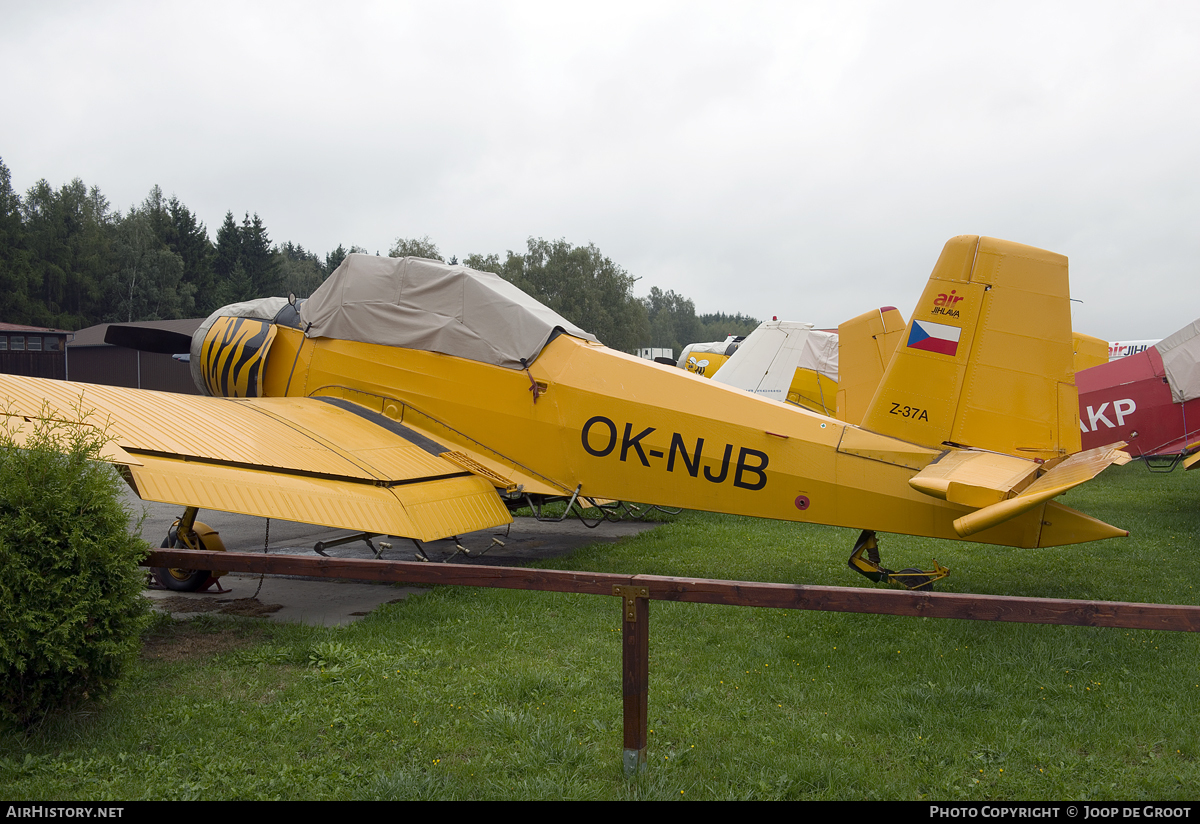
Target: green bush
70,588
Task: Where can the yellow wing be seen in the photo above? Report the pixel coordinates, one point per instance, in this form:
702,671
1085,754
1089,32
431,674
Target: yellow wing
323,461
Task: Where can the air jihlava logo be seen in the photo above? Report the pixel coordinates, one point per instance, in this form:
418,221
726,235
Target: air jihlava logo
944,305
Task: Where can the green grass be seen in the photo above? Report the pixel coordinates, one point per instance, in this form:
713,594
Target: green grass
473,693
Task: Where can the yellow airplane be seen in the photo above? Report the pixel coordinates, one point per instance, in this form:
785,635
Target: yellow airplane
833,374
415,399
707,358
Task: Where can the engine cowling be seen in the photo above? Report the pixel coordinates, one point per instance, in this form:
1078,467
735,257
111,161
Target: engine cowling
229,350
233,355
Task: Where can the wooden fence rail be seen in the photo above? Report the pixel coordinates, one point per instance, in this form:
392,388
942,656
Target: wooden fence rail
636,591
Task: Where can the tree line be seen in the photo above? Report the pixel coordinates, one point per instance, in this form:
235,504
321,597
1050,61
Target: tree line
68,259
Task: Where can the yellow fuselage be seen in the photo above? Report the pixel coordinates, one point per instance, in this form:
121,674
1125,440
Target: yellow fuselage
618,427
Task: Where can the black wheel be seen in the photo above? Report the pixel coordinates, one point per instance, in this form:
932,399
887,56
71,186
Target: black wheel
913,579
180,580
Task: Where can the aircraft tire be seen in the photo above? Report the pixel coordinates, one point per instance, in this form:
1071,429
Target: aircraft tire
180,580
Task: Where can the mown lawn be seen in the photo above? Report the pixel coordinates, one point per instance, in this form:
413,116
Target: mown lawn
472,693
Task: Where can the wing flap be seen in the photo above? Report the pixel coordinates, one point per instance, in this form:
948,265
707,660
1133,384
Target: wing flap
452,506
426,511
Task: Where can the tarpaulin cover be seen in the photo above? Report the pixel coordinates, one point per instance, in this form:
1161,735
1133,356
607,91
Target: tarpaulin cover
425,304
1181,359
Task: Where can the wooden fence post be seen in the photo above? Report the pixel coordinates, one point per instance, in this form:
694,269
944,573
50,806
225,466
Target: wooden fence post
635,673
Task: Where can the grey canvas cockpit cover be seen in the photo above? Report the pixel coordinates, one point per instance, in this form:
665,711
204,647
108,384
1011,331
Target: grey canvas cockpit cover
424,304
1181,360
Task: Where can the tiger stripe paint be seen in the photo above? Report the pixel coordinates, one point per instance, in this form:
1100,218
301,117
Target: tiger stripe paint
233,353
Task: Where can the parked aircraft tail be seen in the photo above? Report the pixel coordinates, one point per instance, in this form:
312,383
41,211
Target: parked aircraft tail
865,347
987,358
786,361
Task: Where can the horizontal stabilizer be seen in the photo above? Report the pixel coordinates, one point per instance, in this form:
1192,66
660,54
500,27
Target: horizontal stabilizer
977,479
1070,473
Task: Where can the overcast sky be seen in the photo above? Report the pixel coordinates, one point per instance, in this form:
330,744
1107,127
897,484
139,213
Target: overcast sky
805,160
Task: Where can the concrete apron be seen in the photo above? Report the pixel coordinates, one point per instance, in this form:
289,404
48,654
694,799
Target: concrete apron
335,603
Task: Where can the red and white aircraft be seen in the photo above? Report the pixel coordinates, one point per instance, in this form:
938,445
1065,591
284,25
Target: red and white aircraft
1150,400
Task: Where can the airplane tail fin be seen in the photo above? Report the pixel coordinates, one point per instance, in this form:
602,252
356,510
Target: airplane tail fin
865,347
987,359
786,361
1089,351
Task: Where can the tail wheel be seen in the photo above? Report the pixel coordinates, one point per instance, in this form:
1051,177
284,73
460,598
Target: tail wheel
914,579
189,580
865,560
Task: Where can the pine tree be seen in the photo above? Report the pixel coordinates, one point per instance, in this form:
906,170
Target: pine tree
228,251
258,259
334,259
15,273
188,238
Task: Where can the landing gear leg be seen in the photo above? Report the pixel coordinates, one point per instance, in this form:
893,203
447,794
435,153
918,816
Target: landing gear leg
191,534
908,578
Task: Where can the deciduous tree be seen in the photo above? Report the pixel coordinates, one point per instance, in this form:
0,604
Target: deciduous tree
147,282
579,283
673,321
421,247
